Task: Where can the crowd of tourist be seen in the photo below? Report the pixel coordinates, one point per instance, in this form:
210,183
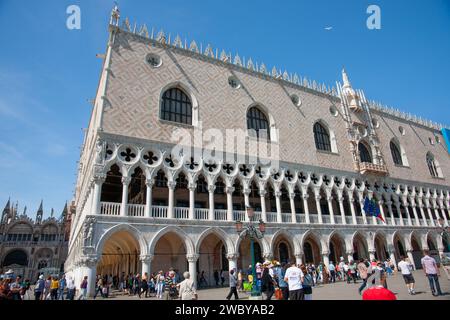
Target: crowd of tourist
282,281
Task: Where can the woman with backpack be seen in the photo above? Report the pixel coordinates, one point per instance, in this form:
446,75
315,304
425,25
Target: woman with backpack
39,288
307,284
267,284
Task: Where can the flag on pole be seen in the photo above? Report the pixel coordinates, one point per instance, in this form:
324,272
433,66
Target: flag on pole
371,208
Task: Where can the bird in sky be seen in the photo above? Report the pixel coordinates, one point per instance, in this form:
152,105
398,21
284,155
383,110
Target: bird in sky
329,28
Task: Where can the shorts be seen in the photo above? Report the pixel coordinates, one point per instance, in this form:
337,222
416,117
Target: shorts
408,278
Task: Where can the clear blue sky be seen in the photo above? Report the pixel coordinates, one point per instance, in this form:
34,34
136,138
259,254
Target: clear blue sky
47,72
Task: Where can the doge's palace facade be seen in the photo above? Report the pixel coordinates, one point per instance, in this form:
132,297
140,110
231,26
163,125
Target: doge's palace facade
146,200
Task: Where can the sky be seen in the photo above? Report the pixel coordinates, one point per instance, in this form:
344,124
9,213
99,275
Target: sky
49,73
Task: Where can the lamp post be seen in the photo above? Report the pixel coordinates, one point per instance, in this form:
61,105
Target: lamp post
444,232
254,231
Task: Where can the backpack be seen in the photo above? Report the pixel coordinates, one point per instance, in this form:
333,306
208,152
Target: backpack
308,281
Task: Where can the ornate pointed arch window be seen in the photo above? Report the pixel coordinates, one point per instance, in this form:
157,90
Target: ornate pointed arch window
322,137
396,155
257,122
433,166
364,153
176,106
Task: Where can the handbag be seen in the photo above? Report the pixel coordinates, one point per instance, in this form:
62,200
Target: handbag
278,294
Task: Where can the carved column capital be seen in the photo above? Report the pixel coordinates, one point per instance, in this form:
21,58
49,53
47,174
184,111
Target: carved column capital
232,256
211,188
146,258
262,193
150,183
192,187
277,194
192,258
171,185
230,190
292,196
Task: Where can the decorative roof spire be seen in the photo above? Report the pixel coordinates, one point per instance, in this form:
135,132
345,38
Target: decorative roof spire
115,15
64,213
6,211
347,83
40,212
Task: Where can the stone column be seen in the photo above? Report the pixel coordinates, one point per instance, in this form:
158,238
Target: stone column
89,269
124,206
211,190
293,212
391,251
330,208
192,187
416,216
262,194
372,254
98,182
192,260
148,203
146,261
319,209
383,215
232,261
351,201
430,215
442,207
397,205
230,191
305,197
246,193
341,208
406,206
325,258
349,256
391,214
299,258
278,204
171,186
422,214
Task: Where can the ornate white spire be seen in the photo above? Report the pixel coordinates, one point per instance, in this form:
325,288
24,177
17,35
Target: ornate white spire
345,79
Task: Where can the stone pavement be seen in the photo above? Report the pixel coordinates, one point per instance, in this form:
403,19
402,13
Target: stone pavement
342,290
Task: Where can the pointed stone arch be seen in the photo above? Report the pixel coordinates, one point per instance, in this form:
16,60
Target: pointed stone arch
190,247
221,234
122,227
293,241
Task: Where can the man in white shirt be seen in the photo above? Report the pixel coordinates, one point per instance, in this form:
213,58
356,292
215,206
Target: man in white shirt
70,288
431,271
294,278
405,267
341,269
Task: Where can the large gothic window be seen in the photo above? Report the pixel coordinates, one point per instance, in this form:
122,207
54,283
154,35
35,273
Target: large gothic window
432,165
396,155
364,153
257,121
322,137
176,106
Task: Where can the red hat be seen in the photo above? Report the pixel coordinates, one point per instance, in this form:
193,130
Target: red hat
378,293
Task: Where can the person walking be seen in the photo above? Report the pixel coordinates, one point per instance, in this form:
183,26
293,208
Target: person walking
240,281
54,286
39,288
445,262
294,278
170,288
70,288
83,289
99,287
160,284
352,270
342,269
282,284
432,273
233,284
332,269
216,277
137,285
46,293
187,289
307,284
267,284
405,268
62,287
363,274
